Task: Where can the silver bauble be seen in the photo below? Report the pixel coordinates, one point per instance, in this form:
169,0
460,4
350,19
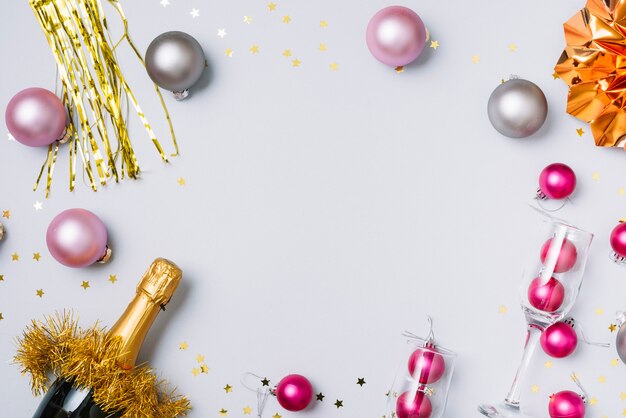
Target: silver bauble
620,343
175,61
517,108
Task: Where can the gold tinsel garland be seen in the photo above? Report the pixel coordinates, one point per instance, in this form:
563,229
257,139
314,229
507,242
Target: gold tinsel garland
94,91
89,359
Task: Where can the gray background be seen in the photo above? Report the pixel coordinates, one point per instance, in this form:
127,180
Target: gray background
325,212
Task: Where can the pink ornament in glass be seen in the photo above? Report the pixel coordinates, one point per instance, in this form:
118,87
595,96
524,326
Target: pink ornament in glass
414,405
426,365
546,296
566,258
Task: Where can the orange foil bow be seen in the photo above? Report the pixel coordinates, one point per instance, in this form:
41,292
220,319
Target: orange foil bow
594,67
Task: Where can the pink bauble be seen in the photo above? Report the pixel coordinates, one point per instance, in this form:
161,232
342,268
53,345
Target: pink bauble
418,406
36,117
566,404
566,258
396,35
546,296
559,340
618,239
294,392
426,366
77,238
557,181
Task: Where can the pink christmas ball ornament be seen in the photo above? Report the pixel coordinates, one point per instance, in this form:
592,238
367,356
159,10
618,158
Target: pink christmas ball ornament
426,365
36,117
546,296
294,392
566,404
559,340
566,258
396,36
556,181
78,238
618,242
414,406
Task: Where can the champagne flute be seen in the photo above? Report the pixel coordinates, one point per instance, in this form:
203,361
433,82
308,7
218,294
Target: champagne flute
548,293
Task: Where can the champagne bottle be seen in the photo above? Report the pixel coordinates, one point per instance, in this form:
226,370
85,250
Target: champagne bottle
154,291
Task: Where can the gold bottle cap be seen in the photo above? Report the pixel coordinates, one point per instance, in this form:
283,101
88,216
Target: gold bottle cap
160,281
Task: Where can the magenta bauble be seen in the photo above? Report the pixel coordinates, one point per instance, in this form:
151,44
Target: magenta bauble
36,117
546,296
77,238
566,404
618,239
566,258
413,406
559,340
426,366
557,181
396,36
294,392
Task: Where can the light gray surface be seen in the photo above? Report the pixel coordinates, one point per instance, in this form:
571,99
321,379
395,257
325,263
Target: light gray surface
325,212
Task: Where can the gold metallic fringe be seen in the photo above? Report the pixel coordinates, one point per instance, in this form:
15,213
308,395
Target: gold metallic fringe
94,90
88,358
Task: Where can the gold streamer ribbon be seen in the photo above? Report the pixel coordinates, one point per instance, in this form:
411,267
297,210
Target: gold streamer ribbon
94,90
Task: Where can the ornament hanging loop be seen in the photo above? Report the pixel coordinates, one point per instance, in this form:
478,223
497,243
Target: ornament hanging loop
262,392
576,380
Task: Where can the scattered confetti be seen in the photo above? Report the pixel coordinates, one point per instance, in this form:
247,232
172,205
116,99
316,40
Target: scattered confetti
286,19
322,47
601,379
339,404
6,214
276,415
622,396
512,48
535,389
475,59
221,33
612,327
112,278
555,76
296,62
223,412
548,364
38,205
1,277
247,19
580,131
181,181
246,409
36,256
360,381
229,53
593,401
502,309
334,66
15,257
1,317
194,13
621,191
183,346
320,397
595,176
228,388
254,49
323,24
200,358
287,53
204,368
599,311
265,381
272,6
40,292
434,44
195,371
85,284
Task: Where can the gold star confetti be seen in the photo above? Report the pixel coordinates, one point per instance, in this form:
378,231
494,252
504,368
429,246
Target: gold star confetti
624,412
434,44
622,396
112,278
6,214
596,176
221,33
593,401
535,389
323,24
223,412
85,284
360,381
181,181
614,362
599,311
194,13
200,358
286,19
36,256
322,47
399,69
204,368
265,381
475,59
1,317
276,415
320,397
247,19
555,76
621,191
548,364
229,53
247,410
15,257
339,404
195,371
228,388
40,292
272,6
183,346
334,66
512,47
287,53
580,131
502,309
601,379
1,277
296,62
612,327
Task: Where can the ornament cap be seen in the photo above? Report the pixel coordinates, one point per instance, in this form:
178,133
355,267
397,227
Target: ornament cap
1,231
181,95
107,256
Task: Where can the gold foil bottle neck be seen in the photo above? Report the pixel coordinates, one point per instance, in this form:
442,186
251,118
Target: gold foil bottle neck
160,281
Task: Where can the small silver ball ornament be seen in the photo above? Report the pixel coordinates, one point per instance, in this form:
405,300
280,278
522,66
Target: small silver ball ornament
620,342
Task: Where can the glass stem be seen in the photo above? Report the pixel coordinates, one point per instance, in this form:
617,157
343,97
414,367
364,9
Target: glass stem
532,338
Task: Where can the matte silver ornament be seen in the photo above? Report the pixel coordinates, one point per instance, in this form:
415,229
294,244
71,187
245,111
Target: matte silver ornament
620,343
517,108
175,61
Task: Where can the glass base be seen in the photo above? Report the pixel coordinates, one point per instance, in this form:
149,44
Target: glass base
501,410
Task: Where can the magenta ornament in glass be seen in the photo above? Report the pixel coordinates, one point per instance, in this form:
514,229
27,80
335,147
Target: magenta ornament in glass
566,404
546,296
414,405
556,181
396,36
294,392
427,366
36,117
78,238
559,339
567,255
618,243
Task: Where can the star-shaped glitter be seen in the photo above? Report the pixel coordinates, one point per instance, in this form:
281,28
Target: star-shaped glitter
194,13
475,59
228,388
36,256
360,381
85,284
195,371
272,6
601,379
221,33
320,397
1,317
229,53
15,257
534,389
512,47
247,19
502,309
621,191
276,415
223,412
286,19
183,346
593,401
1,277
334,66
434,44
200,358
548,364
112,278
580,131
6,214
181,181
204,368
614,362
296,62
38,205
622,396
322,47
254,49
612,327
323,24
287,53
165,3
40,292
339,404
624,412
265,382
596,176
247,410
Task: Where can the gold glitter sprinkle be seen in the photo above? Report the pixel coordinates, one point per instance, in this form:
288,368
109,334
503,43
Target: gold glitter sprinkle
593,401
334,66
296,62
475,59
272,6
287,53
535,389
112,278
612,327
596,176
183,346
247,410
85,284
247,19
200,358
322,47
223,412
512,48
601,379
181,181
228,388
195,371
339,404
599,311
434,44
40,292
36,256
548,364
254,49
286,19
580,131
502,309
229,53
15,257
555,76
276,415
323,24
6,214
